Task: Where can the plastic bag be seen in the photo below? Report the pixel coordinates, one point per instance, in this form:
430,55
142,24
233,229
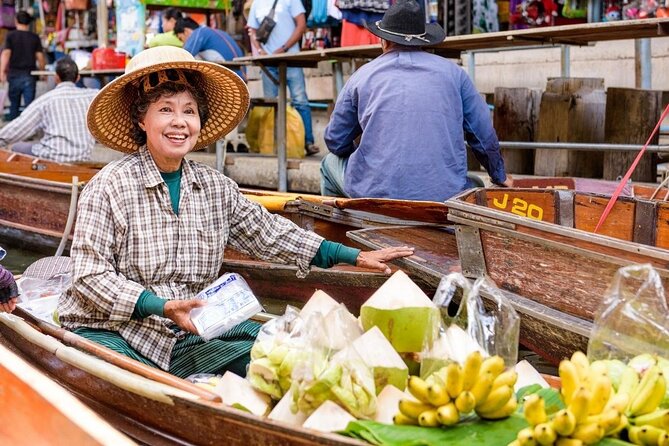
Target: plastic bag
39,297
473,327
230,301
260,132
633,317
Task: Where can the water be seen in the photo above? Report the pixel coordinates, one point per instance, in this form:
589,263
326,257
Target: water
18,259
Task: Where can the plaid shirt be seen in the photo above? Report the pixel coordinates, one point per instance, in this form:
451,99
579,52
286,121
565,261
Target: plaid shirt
128,239
61,115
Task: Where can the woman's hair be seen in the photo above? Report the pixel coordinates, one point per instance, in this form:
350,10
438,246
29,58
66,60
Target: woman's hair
140,105
172,13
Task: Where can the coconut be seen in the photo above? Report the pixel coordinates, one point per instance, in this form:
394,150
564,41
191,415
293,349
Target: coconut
403,313
329,417
320,302
377,353
528,375
388,404
236,391
282,412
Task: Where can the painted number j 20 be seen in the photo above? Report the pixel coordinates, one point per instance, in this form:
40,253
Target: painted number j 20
520,207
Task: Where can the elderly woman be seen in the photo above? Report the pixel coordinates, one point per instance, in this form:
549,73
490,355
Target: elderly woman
8,289
152,227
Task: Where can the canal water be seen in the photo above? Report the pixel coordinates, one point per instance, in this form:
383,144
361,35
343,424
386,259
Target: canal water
18,259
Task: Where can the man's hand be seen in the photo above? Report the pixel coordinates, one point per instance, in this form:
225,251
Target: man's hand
279,50
179,312
508,182
9,306
377,259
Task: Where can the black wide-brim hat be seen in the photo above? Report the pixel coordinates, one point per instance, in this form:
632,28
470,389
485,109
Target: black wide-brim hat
404,24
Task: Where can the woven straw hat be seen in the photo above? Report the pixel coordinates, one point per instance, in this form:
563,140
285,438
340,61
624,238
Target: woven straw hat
227,96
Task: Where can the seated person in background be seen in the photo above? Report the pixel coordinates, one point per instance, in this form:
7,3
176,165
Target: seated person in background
212,45
61,115
168,37
8,290
412,111
152,227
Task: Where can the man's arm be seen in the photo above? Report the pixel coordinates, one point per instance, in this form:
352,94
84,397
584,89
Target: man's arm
24,126
4,64
41,61
480,133
296,36
344,127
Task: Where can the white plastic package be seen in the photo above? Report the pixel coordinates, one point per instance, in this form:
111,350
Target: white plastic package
230,301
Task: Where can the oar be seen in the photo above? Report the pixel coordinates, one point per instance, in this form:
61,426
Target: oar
117,359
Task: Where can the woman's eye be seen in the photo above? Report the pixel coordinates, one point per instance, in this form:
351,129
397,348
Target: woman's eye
190,111
165,109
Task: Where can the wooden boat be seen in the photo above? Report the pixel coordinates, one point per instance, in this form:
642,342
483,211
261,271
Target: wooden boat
36,410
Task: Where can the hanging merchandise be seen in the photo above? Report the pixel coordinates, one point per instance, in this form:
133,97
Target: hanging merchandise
130,26
612,13
575,9
532,13
319,13
433,11
485,16
7,14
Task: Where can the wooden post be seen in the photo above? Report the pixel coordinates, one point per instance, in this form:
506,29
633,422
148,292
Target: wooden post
631,115
572,110
515,119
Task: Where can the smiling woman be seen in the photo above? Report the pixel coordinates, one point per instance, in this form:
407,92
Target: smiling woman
152,227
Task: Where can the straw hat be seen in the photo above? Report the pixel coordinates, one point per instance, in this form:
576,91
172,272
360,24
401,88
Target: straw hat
227,96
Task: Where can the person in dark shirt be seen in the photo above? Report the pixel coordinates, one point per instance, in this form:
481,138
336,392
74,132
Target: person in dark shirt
21,54
8,289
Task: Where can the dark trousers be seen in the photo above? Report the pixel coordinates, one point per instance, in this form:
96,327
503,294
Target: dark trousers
20,85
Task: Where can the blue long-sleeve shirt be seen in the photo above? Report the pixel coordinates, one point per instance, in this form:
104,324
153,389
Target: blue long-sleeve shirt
214,45
413,111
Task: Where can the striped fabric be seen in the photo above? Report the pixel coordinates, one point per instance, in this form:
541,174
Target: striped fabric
191,354
128,239
61,115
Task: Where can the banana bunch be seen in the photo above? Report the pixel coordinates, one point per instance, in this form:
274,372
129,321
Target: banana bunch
592,411
479,385
271,367
649,425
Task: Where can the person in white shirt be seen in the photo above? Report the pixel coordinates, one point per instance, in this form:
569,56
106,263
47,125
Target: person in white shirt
61,115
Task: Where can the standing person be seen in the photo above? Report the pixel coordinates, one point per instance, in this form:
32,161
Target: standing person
61,116
168,37
9,292
152,227
412,111
284,38
21,55
212,45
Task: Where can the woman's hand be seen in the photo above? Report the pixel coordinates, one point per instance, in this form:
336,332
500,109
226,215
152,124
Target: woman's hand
377,259
179,312
9,306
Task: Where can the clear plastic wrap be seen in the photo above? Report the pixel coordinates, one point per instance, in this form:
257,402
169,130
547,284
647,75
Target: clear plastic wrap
230,301
633,318
494,330
39,297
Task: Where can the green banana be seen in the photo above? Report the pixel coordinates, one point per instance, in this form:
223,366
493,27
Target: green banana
644,400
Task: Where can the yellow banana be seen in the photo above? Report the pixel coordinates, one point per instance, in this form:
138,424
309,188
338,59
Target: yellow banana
402,419
470,370
659,418
493,364
619,402
656,396
507,378
588,433
437,395
526,437
564,422
428,418
580,403
496,399
413,409
624,423
465,402
629,380
582,364
570,379
650,435
448,415
545,434
663,440
453,379
609,419
601,388
568,442
633,435
503,412
482,387
418,388
645,400
514,443
599,367
534,409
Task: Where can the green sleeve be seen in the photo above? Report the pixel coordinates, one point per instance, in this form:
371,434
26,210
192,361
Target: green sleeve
331,253
148,304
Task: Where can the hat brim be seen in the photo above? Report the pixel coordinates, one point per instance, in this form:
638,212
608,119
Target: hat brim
433,34
227,96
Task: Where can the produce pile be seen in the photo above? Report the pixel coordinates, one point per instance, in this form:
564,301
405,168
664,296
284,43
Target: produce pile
603,399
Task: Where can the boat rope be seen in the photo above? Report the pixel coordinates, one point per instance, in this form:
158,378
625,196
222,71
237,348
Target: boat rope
74,197
627,176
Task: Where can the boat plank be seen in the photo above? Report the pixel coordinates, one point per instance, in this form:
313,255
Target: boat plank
620,222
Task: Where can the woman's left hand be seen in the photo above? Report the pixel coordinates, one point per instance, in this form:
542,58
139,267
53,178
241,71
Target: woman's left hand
377,259
9,306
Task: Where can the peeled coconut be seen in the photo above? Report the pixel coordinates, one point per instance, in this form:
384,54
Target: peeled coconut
377,353
528,375
329,417
236,391
403,313
282,412
388,403
320,302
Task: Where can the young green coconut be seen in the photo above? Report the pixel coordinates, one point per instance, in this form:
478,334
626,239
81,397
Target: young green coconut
377,353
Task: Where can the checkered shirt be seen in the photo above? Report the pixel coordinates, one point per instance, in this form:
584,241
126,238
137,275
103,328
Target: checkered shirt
128,239
61,115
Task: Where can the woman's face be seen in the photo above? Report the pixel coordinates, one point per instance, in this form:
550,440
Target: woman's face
168,24
172,126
